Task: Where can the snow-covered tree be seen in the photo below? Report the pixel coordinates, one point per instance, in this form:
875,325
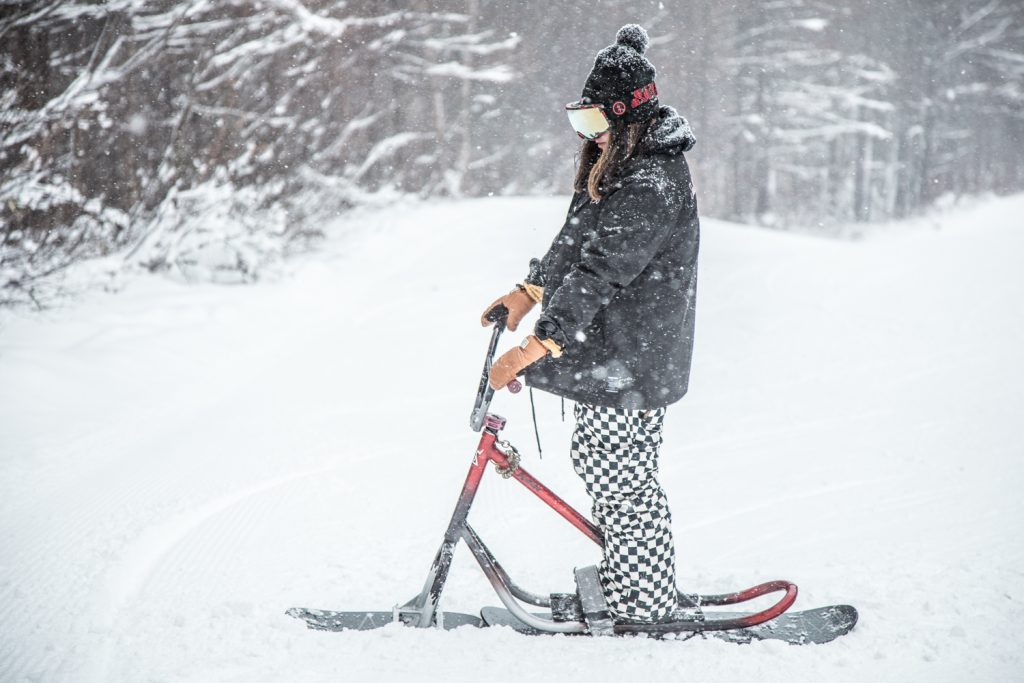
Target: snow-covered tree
193,135
206,138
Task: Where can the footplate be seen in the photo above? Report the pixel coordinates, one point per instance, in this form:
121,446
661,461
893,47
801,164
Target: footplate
595,608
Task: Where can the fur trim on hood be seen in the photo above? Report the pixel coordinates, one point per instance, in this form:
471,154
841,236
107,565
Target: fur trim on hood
669,134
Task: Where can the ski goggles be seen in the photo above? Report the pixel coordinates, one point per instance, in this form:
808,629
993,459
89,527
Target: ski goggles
588,120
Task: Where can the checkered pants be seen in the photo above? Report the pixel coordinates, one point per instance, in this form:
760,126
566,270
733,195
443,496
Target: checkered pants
615,452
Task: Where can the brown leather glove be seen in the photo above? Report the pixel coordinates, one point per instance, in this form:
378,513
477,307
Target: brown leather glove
516,359
519,302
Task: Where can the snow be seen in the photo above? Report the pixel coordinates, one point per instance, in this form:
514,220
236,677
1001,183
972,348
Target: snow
180,464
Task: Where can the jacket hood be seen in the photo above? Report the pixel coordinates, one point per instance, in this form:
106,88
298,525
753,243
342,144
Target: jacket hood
669,134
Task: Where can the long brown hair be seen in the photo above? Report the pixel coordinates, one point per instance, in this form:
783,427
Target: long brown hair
597,170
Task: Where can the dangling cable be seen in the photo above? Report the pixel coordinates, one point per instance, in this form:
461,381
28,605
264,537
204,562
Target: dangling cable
563,409
536,432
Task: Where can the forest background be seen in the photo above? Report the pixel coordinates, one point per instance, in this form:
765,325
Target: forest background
211,138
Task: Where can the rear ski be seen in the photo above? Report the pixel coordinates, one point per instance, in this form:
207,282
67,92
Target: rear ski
818,626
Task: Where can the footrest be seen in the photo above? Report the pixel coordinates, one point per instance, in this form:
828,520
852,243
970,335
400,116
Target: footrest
595,608
566,607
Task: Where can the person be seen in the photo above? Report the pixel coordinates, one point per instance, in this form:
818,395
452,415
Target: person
617,289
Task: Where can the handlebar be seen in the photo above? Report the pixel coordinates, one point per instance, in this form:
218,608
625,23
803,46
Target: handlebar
484,394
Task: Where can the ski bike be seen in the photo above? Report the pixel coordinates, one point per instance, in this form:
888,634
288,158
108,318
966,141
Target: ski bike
585,611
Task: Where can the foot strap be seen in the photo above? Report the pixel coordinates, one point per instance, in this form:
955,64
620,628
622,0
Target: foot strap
595,607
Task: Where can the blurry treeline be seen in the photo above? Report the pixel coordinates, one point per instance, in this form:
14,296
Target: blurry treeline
206,137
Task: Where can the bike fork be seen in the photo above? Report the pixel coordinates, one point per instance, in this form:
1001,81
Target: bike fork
422,609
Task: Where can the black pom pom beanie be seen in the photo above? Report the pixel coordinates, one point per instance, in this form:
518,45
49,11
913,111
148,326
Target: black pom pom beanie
622,79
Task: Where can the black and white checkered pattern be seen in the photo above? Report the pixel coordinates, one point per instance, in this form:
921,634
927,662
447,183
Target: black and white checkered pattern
615,451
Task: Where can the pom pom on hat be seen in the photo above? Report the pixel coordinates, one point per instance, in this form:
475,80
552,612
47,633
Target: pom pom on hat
634,36
623,79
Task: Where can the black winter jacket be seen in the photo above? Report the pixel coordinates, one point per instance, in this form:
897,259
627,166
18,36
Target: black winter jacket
620,282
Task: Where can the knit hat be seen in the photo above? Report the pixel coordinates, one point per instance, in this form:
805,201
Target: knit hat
622,79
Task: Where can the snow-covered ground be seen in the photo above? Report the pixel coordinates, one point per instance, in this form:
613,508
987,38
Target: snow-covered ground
180,464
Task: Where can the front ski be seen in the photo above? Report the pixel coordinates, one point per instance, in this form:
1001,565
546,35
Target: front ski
327,620
820,625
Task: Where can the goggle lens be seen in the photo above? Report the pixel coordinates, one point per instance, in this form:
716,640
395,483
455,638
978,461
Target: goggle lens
588,121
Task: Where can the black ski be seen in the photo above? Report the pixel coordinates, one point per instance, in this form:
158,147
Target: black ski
820,625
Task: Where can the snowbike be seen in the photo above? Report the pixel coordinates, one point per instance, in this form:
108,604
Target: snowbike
585,611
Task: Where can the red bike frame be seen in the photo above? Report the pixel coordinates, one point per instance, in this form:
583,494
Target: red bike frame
421,610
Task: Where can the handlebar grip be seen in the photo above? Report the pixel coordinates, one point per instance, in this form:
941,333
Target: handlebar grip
514,386
498,313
